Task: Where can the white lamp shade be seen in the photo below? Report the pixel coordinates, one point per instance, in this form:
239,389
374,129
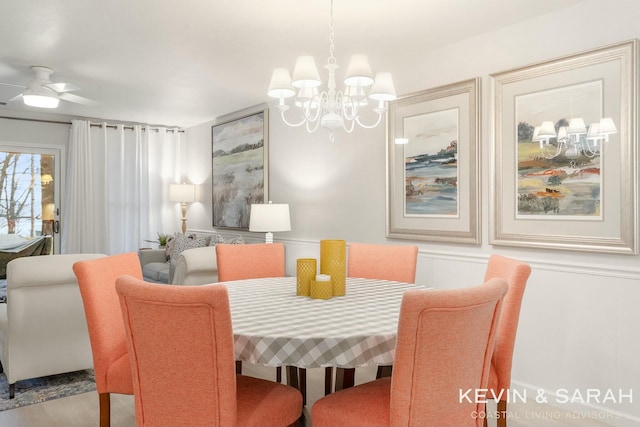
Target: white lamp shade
305,73
280,85
607,126
577,126
358,72
383,88
594,132
182,193
547,130
269,217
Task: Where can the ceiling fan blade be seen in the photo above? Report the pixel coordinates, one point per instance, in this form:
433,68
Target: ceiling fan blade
62,87
78,99
9,92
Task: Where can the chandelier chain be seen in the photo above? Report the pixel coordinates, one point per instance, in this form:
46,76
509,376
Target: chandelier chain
332,59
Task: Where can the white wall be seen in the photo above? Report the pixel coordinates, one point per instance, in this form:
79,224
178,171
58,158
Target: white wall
579,327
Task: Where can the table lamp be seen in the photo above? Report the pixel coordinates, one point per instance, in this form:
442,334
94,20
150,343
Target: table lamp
268,218
183,194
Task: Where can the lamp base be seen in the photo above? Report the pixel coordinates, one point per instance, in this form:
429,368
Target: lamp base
268,237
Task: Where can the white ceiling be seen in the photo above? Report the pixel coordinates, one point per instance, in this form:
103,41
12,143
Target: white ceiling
182,63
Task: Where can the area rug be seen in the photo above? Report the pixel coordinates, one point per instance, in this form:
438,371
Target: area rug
38,390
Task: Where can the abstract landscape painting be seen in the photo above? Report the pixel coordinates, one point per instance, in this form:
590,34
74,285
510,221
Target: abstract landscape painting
570,184
238,169
431,163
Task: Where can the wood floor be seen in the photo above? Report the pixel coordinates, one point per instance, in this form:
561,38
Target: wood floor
82,410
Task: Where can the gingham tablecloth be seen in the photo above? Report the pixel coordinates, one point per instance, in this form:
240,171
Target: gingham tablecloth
272,326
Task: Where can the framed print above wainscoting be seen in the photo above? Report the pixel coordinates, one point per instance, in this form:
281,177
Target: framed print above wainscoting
240,173
565,156
433,182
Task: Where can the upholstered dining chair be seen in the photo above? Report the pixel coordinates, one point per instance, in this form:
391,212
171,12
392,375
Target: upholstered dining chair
444,346
250,261
516,274
97,279
385,262
180,341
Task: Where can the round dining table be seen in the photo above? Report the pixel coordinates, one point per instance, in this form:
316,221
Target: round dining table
273,326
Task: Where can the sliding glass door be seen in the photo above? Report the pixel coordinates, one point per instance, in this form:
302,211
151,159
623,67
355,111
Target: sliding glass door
29,198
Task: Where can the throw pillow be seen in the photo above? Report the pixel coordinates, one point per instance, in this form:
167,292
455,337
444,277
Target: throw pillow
183,242
235,240
215,239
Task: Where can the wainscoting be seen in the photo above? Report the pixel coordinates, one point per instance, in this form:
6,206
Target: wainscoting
578,325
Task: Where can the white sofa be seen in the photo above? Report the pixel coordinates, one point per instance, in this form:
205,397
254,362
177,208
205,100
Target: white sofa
43,329
197,266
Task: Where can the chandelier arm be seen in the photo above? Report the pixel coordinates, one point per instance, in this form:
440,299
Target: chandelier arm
288,123
349,128
557,153
369,126
348,103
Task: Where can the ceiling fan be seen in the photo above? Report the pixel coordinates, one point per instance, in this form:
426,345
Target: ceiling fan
43,93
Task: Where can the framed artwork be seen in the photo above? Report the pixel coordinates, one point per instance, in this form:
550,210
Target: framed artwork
565,156
239,147
434,178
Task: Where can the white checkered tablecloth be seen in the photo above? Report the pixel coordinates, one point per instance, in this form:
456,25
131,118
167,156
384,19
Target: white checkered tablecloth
272,326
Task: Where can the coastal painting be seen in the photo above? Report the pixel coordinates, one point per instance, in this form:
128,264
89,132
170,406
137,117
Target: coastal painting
239,165
569,184
431,163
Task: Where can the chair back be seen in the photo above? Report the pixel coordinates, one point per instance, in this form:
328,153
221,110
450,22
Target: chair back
251,261
44,331
385,262
180,343
444,346
516,274
97,279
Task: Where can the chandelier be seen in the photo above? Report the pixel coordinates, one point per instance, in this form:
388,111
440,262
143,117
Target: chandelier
329,108
575,139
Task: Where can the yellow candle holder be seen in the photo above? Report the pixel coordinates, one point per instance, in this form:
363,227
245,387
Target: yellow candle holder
321,289
333,257
305,272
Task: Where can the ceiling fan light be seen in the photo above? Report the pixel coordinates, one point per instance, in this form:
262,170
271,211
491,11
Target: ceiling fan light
40,101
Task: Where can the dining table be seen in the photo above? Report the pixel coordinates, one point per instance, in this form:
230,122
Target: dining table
273,326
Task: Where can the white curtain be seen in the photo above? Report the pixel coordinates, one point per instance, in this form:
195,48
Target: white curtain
116,192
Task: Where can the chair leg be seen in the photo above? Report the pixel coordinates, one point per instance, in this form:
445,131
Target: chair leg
302,377
328,380
502,413
105,409
12,390
384,371
345,378
238,367
278,374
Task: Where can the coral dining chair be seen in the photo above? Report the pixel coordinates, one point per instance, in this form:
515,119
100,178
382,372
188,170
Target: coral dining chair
444,346
385,262
251,261
96,279
180,339
516,274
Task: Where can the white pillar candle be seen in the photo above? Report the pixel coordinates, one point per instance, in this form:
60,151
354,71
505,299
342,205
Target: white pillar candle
323,278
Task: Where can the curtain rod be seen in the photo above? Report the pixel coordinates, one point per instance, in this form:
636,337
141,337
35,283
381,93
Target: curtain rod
110,126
